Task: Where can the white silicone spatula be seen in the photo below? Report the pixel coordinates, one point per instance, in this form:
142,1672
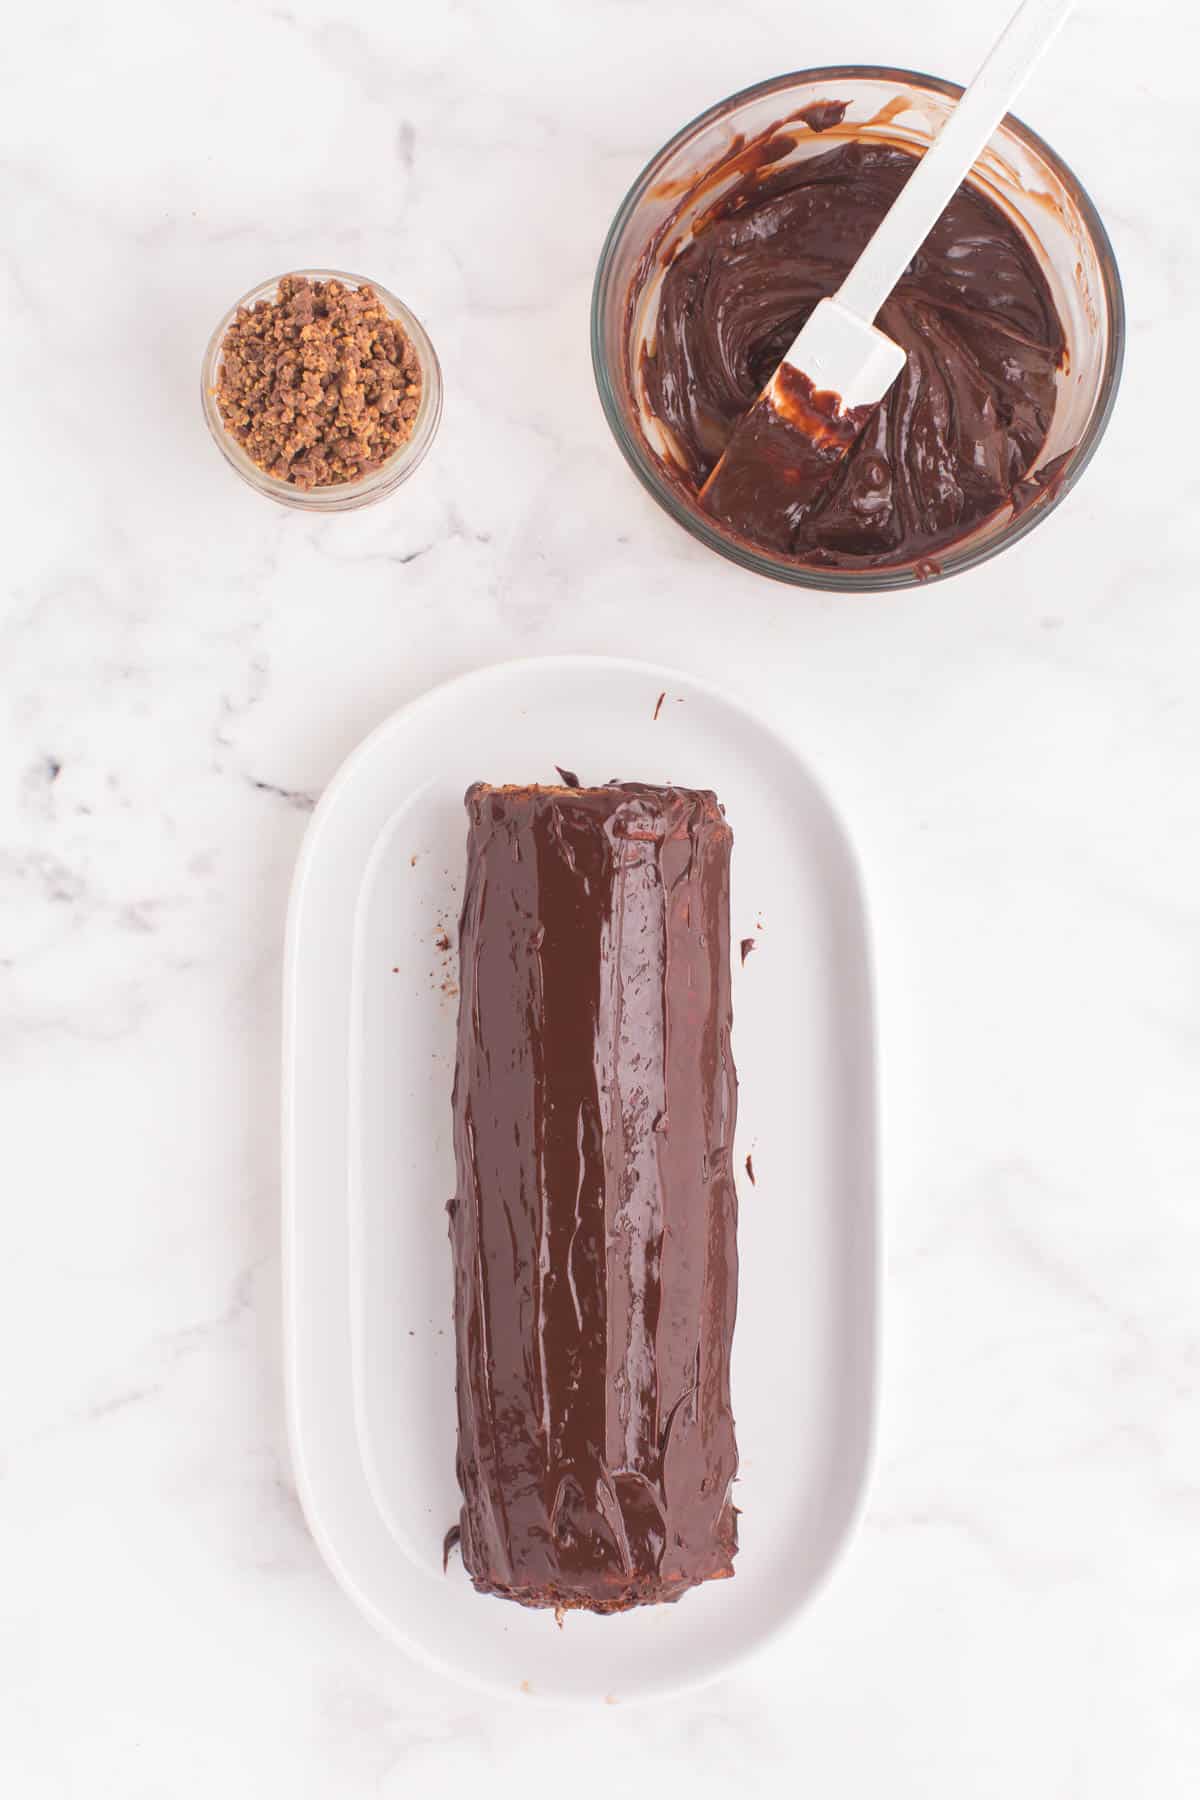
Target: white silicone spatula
841,360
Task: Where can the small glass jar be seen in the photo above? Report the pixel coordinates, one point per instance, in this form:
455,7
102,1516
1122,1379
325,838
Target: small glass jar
342,496
1018,172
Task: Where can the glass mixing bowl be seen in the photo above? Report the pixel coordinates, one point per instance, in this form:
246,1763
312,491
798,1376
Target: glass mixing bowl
1018,172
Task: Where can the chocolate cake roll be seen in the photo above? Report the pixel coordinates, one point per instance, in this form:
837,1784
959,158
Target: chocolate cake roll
594,1226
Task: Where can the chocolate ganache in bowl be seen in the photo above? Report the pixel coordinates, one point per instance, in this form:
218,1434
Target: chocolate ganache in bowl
1011,317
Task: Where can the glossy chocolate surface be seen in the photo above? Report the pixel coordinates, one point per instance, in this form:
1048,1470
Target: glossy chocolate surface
960,428
783,458
594,1224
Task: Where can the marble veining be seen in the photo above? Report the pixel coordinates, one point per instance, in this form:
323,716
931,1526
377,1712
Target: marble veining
183,668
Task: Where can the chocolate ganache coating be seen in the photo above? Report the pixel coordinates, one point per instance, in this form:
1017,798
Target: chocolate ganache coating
959,429
594,1227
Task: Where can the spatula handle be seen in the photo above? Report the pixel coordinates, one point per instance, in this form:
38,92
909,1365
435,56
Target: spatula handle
928,189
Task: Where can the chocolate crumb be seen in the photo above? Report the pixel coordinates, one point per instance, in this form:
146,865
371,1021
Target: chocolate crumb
450,1542
658,703
748,944
568,777
750,1170
319,385
441,941
560,1613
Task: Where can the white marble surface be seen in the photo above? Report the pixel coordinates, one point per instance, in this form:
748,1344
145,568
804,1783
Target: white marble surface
182,668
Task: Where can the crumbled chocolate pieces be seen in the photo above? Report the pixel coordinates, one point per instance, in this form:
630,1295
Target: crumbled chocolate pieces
319,385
